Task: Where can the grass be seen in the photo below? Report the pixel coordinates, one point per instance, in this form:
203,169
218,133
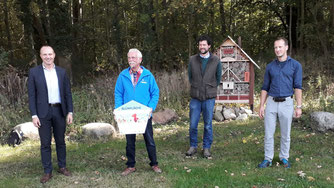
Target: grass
237,149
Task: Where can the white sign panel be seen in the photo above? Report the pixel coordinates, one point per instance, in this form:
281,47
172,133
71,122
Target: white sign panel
228,85
132,117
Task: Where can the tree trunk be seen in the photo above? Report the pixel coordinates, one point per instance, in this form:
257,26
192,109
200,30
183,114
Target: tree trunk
222,17
302,24
290,29
9,38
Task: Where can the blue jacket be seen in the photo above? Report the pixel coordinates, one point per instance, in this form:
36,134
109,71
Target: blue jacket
145,92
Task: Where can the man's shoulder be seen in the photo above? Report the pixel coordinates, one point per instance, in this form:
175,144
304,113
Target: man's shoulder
294,61
193,56
35,68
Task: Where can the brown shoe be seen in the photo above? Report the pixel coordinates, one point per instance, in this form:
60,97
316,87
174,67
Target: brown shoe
128,171
64,171
156,169
46,177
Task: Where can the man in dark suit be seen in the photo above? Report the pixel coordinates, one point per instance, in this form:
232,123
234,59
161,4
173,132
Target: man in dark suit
50,104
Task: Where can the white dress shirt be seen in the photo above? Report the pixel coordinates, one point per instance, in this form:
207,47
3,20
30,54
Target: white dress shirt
52,85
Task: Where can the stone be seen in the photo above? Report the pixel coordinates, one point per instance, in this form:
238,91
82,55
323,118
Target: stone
242,117
237,111
219,108
218,116
98,130
229,114
322,121
165,116
27,130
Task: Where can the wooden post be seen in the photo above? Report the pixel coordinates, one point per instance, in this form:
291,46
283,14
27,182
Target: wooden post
251,85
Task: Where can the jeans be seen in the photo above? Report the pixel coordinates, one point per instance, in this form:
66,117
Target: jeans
206,107
150,146
284,112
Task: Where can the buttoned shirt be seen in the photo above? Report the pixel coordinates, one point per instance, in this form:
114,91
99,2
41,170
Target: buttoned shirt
135,75
52,85
281,78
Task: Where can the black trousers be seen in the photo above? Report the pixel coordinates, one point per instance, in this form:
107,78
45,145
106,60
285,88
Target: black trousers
55,121
150,146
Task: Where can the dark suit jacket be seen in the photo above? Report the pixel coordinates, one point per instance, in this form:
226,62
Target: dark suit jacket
38,92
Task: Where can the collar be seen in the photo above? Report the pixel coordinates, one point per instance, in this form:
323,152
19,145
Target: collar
54,66
140,70
206,56
287,59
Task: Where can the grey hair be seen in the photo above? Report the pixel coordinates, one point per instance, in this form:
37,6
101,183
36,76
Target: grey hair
139,54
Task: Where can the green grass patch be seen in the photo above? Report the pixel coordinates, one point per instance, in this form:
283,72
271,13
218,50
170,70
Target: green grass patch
237,149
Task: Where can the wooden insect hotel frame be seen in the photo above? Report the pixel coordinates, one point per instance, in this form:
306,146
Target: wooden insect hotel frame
237,83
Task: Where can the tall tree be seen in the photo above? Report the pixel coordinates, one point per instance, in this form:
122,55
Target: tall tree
9,38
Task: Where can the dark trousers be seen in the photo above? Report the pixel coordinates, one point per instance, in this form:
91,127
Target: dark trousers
150,146
55,121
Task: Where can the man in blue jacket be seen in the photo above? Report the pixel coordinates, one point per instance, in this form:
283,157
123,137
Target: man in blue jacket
50,104
138,84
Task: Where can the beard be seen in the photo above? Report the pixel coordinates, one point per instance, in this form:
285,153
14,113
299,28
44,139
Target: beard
203,51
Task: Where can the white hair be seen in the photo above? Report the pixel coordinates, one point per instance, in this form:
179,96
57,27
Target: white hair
139,54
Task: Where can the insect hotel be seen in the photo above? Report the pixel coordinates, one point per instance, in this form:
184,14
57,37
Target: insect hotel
237,83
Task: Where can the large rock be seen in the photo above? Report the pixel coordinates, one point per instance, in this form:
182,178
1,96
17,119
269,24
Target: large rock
218,116
98,130
27,130
242,117
165,116
229,114
245,110
322,121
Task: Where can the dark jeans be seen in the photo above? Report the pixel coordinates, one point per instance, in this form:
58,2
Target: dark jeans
150,146
55,120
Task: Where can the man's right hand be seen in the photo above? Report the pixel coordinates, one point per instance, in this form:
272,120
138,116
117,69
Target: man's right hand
36,122
261,112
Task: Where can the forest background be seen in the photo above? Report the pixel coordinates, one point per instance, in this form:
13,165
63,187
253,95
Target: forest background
91,39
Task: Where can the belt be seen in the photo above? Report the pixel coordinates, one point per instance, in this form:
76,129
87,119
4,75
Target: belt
54,104
281,99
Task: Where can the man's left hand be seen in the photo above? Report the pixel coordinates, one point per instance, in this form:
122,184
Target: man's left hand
298,113
69,118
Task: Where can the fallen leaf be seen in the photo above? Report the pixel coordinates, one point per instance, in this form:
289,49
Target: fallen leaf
310,178
301,174
244,141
